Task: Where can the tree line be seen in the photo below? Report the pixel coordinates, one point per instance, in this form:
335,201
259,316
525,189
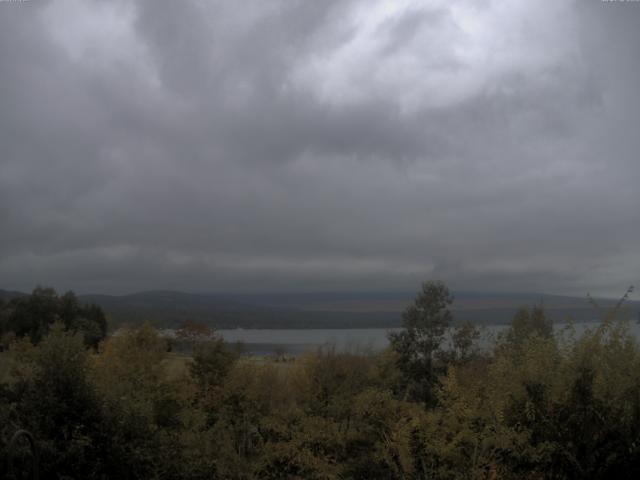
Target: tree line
32,316
539,403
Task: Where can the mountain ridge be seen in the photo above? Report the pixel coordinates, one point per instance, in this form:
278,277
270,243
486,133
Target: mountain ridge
169,308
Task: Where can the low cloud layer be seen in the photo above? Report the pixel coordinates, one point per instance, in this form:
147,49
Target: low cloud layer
334,145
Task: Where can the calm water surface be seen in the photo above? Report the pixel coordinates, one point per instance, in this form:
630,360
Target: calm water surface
298,341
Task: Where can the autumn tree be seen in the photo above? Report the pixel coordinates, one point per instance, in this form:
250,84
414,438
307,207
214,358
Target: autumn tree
56,401
212,362
527,322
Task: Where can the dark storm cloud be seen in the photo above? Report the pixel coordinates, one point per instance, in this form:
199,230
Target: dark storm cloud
319,145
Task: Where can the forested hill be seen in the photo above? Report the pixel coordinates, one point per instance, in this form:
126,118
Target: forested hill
170,308
8,294
323,310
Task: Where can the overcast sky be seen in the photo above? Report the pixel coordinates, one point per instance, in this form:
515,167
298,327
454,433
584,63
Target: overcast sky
294,145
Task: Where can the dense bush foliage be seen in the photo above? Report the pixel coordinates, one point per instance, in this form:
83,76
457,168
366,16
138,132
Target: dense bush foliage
538,404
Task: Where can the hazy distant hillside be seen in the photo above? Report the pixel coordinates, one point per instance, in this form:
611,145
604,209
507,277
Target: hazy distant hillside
167,308
491,308
8,294
323,310
327,310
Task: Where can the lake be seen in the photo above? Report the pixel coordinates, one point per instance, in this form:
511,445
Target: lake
299,341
